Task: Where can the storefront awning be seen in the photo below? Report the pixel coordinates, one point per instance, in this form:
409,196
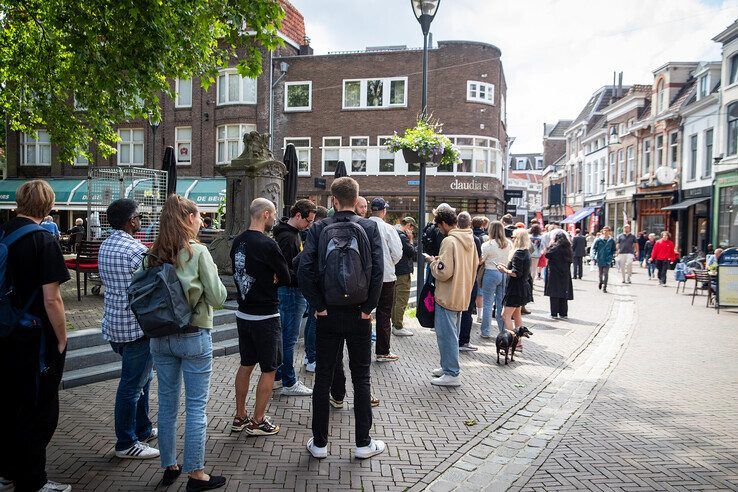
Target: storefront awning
207,193
578,216
64,189
684,205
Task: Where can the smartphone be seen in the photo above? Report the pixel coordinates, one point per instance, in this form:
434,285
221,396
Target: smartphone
427,257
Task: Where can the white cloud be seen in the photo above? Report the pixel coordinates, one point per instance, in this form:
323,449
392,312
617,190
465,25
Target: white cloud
555,53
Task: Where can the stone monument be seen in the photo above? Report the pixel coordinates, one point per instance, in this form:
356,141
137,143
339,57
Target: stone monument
252,174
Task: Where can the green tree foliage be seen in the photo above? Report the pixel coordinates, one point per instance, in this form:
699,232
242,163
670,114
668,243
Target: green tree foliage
114,58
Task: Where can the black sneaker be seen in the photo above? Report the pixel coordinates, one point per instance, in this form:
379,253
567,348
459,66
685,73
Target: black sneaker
215,482
239,423
263,428
170,476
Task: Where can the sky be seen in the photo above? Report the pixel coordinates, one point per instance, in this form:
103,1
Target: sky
555,53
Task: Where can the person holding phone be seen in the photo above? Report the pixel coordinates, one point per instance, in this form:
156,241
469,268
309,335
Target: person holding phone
495,251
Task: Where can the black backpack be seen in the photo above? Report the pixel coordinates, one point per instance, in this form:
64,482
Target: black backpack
427,238
344,262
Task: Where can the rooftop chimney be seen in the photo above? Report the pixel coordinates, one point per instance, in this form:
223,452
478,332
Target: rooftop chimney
620,84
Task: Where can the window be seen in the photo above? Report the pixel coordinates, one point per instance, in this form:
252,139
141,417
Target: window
302,147
331,148
673,149
660,97
375,93
646,156
229,139
580,177
131,147
612,178
503,109
36,151
81,160
601,177
707,170
692,157
480,92
702,92
183,87
659,151
621,165
481,159
298,96
733,125
386,158
234,89
733,70
359,147
621,129
183,144
630,165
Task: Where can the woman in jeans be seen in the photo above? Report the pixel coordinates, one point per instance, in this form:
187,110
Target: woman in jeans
188,355
647,249
495,251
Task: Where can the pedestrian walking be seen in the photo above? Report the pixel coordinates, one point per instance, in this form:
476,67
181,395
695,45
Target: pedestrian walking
120,256
558,286
343,284
518,290
31,359
455,272
647,250
259,270
464,222
537,257
495,251
627,251
309,360
403,272
579,250
188,355
392,253
663,254
604,252
642,239
292,304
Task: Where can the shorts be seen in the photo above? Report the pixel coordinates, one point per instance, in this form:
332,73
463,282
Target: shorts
260,342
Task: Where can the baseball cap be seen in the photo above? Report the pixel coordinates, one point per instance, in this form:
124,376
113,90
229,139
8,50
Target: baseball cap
409,220
378,204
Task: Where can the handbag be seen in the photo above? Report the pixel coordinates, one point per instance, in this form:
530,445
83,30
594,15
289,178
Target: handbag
426,310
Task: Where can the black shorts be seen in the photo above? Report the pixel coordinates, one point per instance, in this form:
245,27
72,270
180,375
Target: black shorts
260,342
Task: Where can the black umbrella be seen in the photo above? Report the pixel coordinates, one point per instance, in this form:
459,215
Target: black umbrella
340,170
170,166
290,180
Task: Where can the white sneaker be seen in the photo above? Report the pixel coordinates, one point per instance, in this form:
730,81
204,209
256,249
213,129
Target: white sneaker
437,373
374,448
297,389
318,453
310,367
402,332
305,361
154,434
55,487
138,451
277,384
447,380
6,485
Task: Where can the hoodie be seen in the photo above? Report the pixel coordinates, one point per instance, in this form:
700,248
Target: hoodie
455,270
289,241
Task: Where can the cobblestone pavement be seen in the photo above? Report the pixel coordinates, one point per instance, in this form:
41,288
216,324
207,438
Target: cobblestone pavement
84,314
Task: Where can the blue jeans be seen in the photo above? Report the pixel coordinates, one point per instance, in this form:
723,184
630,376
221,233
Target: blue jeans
188,355
493,287
291,308
651,266
132,422
448,326
310,335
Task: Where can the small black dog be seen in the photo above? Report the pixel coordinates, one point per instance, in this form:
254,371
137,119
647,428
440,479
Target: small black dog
507,340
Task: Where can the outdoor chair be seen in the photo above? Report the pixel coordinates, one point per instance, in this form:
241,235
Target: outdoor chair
85,263
703,282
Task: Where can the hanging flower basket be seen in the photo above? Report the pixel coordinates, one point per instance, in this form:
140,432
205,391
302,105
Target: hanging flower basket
425,143
412,157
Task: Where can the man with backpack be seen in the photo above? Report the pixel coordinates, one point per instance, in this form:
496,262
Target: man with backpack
259,269
119,257
33,348
340,274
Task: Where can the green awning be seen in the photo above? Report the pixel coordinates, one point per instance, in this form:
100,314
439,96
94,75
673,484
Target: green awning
207,192
63,189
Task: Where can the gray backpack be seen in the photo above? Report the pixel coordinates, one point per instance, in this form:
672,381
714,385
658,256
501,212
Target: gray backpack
158,301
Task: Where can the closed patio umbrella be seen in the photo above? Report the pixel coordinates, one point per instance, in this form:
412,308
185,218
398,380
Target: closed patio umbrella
290,180
340,170
170,166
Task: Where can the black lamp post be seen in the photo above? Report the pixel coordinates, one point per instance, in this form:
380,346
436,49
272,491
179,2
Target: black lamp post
425,11
154,123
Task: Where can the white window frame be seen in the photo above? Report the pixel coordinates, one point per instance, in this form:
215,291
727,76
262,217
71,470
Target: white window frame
325,147
179,140
658,152
351,170
309,149
693,160
386,82
707,157
383,148
630,163
648,143
81,161
703,86
27,140
231,72
472,94
132,146
177,83
287,86
673,147
243,128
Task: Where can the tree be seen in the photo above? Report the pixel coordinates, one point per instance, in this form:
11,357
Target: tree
78,67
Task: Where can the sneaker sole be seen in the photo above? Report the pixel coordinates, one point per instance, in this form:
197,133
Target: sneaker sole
370,455
259,432
317,456
335,405
129,457
296,394
387,360
238,429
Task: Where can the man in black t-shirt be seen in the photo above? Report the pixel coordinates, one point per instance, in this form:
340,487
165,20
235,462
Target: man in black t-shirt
259,268
32,359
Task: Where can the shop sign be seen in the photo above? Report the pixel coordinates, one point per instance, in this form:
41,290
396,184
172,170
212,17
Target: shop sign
472,185
511,209
727,288
509,194
730,180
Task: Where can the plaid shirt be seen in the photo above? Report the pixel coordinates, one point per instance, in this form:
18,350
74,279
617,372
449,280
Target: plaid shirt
120,256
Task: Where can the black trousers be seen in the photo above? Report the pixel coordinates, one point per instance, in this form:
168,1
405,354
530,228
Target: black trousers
466,318
604,272
29,412
384,318
339,326
559,306
663,266
578,267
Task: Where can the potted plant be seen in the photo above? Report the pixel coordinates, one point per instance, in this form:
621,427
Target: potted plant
425,143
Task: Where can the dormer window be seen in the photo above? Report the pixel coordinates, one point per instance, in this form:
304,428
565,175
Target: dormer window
660,97
703,87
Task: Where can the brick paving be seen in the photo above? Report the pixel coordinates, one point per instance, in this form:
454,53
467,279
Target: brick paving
84,314
424,426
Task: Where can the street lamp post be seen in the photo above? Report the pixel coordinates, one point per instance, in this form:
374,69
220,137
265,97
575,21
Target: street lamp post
425,11
154,123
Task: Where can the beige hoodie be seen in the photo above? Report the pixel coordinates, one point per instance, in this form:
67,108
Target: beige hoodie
455,270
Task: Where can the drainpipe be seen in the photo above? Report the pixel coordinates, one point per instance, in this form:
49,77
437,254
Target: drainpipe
271,96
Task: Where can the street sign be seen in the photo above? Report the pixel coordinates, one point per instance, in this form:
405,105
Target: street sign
320,183
511,209
413,182
509,194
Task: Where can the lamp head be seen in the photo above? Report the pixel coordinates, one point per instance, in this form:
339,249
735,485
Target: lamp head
425,11
284,66
154,122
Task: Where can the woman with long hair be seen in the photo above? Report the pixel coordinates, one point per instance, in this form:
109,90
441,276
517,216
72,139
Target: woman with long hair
495,251
518,291
558,285
537,253
188,355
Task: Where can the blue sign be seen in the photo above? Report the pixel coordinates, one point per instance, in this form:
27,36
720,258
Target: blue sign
729,257
413,182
